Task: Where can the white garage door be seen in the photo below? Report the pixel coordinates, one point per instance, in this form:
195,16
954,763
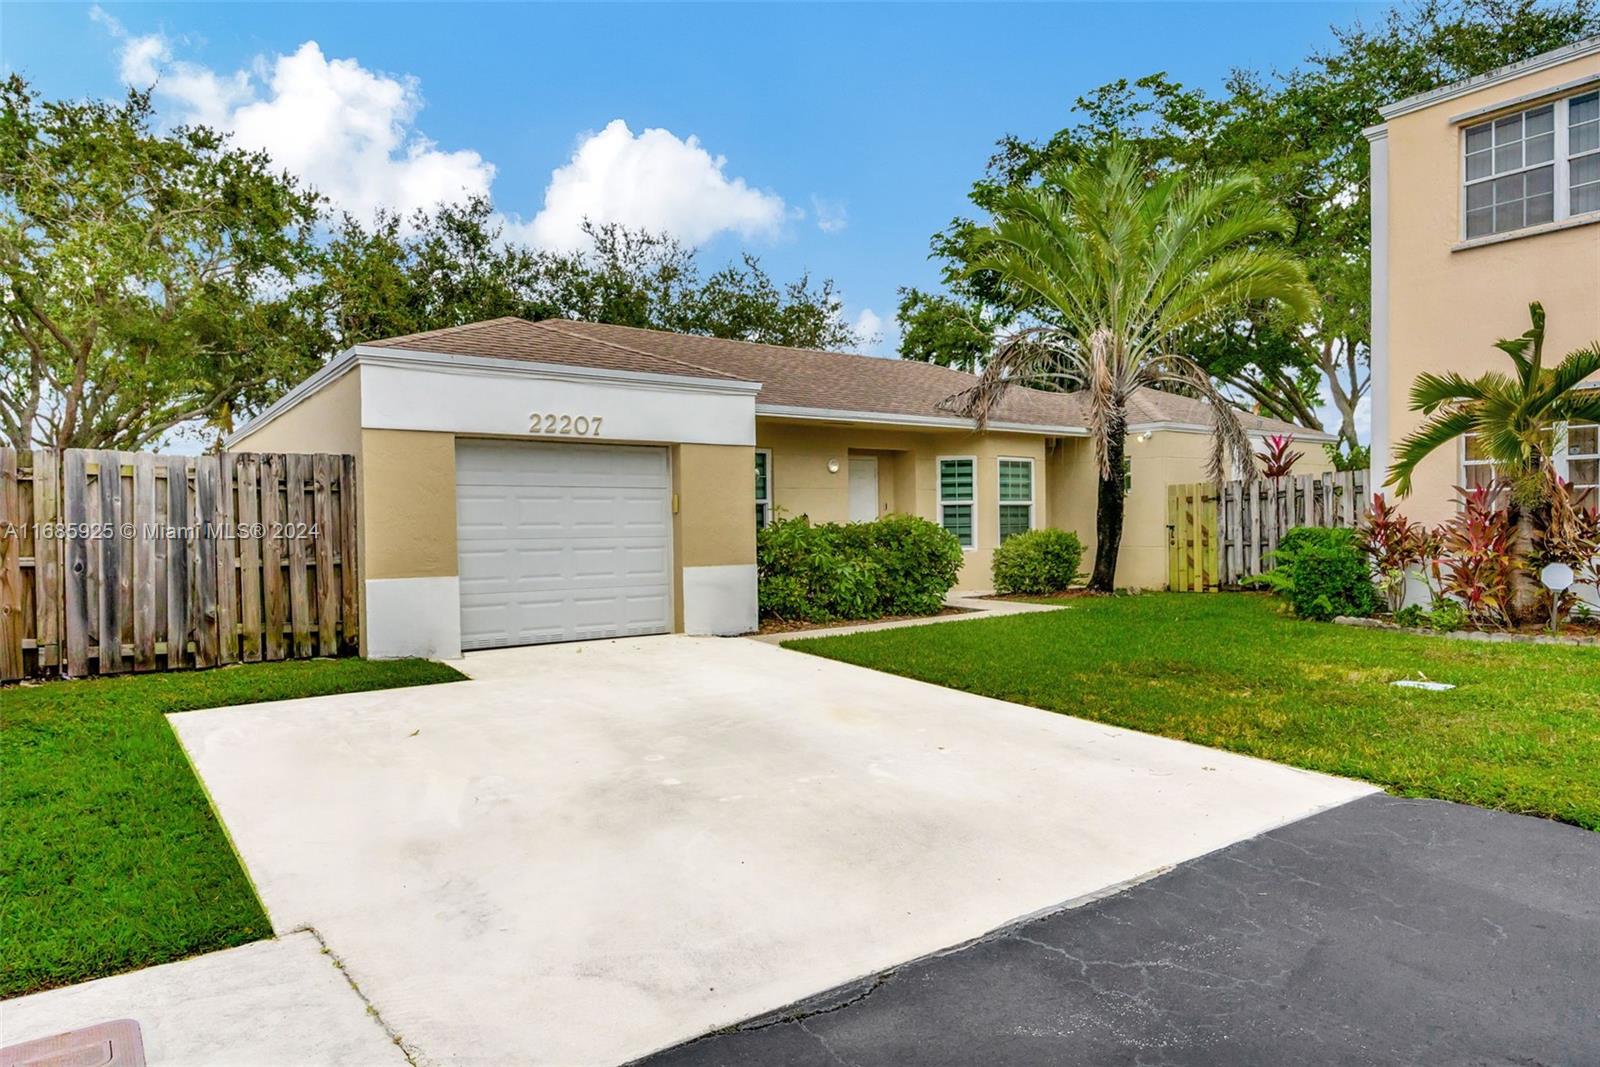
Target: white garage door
562,542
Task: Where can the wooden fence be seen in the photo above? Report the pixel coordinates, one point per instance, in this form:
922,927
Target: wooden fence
131,561
1218,538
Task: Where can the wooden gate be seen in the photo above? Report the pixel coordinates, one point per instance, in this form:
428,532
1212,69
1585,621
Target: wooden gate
1192,538
131,561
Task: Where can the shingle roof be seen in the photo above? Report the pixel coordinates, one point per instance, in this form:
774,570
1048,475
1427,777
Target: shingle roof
789,377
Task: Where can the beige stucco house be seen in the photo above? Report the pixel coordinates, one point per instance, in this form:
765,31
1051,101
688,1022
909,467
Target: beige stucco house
1485,196
525,481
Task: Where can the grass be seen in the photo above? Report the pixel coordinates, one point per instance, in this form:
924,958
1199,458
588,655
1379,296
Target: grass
1520,732
110,855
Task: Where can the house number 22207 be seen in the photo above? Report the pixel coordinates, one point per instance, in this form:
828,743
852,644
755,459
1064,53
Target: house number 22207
552,422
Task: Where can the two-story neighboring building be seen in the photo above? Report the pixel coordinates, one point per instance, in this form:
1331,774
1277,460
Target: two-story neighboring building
1485,197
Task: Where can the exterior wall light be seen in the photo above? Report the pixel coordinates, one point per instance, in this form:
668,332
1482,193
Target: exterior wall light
833,466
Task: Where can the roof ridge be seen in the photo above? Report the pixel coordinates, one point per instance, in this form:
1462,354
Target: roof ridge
465,327
551,324
767,344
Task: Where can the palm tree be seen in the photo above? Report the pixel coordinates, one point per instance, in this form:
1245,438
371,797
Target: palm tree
1514,419
1120,267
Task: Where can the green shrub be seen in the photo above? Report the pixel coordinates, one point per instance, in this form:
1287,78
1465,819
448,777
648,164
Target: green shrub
1322,573
897,565
1330,580
917,561
1037,563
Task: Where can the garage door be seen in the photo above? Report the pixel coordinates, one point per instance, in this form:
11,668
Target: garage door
562,542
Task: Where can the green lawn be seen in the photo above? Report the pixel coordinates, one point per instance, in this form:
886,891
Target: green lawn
110,857
1520,732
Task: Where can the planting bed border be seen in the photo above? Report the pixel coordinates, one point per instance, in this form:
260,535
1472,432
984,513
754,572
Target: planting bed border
1471,635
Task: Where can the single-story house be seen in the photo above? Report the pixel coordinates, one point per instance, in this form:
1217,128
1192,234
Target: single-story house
523,482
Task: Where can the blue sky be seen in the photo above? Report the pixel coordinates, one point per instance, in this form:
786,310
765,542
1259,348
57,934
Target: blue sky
826,138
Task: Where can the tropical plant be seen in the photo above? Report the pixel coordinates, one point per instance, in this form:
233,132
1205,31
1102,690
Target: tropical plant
1347,457
1477,562
1322,572
1513,418
1119,268
1571,535
1277,461
1395,545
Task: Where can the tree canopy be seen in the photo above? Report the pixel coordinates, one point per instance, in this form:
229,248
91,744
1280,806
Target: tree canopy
1299,132
167,281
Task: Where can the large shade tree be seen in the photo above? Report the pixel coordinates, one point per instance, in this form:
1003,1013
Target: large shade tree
1120,266
148,276
1299,131
1514,419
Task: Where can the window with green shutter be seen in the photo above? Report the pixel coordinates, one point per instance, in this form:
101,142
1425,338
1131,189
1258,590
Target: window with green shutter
763,488
956,497
1016,496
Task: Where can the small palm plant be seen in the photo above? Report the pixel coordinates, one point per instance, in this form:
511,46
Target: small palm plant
1513,418
1121,267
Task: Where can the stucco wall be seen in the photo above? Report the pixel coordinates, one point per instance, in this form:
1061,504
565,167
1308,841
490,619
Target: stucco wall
1448,305
327,421
907,476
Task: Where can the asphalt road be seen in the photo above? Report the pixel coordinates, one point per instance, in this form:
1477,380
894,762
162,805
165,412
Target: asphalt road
1384,931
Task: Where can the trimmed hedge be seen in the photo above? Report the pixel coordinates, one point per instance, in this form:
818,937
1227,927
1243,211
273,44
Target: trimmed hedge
1037,563
1323,573
896,565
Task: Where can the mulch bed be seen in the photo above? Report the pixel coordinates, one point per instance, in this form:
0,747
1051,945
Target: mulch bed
1572,632
789,626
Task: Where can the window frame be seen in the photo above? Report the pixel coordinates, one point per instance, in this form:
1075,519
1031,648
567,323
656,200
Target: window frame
1560,162
971,502
1001,503
764,518
1564,457
1464,463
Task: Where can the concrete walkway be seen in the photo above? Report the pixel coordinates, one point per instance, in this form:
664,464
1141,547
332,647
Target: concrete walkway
973,606
592,851
271,1003
1385,932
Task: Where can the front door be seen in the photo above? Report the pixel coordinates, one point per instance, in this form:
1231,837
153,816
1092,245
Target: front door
863,488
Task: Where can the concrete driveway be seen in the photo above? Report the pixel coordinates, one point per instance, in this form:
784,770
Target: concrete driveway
593,851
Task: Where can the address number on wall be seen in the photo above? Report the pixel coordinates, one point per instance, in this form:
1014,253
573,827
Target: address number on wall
555,422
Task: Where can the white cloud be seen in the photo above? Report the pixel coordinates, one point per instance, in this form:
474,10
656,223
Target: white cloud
879,337
345,130
831,214
652,180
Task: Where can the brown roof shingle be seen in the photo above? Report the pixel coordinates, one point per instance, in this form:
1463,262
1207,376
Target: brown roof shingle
789,377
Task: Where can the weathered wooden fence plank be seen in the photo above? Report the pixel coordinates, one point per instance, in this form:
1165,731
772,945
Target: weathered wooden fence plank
179,549
206,489
75,567
108,551
297,521
247,477
47,592
227,565
274,593
144,562
349,583
324,473
11,530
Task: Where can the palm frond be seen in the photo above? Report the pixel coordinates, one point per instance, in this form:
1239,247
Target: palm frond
1437,431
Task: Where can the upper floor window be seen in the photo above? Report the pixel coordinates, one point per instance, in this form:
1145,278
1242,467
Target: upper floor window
1536,166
